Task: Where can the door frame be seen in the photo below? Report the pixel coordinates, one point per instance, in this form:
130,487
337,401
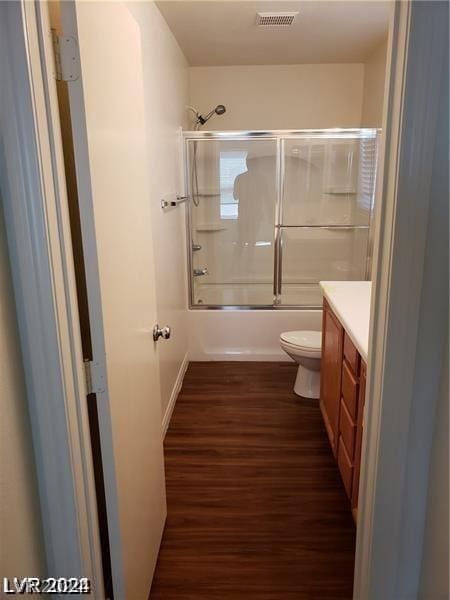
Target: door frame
394,484
41,259
34,199
87,222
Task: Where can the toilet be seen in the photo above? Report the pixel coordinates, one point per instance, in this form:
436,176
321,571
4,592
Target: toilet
305,348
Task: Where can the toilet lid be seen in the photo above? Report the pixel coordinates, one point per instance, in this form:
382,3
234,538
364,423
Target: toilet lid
311,340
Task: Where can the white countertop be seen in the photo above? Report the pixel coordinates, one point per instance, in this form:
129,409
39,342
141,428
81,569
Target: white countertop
350,300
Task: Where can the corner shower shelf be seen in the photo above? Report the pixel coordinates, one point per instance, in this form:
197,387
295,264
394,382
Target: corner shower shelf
210,227
336,191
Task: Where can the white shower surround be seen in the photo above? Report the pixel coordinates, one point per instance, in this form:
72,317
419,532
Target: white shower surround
321,240
238,335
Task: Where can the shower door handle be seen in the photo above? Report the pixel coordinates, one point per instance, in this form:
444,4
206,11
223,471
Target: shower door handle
278,266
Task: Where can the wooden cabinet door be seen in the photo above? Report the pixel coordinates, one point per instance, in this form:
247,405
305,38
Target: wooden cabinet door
359,434
331,367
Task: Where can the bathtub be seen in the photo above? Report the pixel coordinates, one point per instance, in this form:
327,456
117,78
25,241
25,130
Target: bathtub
245,334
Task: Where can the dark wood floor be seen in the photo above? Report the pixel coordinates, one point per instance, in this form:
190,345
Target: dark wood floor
256,508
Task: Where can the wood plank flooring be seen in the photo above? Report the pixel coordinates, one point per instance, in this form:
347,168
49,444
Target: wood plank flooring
256,507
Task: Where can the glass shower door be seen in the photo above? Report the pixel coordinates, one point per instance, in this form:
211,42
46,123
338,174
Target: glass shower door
233,189
328,186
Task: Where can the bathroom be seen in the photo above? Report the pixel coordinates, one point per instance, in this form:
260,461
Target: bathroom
277,194
225,170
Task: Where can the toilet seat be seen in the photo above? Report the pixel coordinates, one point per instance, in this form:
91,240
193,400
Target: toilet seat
308,343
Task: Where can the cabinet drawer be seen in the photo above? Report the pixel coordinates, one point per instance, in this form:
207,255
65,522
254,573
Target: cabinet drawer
351,354
350,390
345,467
347,428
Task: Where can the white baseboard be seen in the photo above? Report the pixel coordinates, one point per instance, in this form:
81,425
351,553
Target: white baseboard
174,394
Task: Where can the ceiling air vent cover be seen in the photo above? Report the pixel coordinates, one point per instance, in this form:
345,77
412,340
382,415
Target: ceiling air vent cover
275,19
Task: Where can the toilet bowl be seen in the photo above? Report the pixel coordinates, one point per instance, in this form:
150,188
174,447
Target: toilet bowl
305,347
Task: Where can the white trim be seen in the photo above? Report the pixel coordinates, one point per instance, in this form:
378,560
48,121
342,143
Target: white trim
79,132
389,539
174,394
36,217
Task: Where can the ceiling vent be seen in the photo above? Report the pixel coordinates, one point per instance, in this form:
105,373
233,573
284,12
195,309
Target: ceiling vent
275,19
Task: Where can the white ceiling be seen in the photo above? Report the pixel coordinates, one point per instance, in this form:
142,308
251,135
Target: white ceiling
224,33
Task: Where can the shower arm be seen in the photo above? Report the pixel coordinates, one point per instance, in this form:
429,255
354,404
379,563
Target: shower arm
198,121
220,109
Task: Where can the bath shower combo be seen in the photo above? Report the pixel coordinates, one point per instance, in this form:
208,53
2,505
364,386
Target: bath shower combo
272,213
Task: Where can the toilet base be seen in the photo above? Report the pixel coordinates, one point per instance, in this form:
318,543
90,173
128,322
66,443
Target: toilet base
307,383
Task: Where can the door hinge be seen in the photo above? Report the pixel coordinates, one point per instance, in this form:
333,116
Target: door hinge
94,377
67,57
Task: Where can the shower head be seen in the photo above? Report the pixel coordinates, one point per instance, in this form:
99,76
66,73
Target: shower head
218,110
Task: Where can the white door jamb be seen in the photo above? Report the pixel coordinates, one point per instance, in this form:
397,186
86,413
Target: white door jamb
393,490
38,233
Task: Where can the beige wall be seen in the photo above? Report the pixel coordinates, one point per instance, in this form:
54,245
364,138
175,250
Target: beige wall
21,545
280,96
373,91
166,95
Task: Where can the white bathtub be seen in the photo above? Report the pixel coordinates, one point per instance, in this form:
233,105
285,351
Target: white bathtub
245,334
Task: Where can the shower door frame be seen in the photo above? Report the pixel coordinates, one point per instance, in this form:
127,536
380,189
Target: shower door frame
279,136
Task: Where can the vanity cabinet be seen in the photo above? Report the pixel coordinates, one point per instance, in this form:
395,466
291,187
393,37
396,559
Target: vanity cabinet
342,393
